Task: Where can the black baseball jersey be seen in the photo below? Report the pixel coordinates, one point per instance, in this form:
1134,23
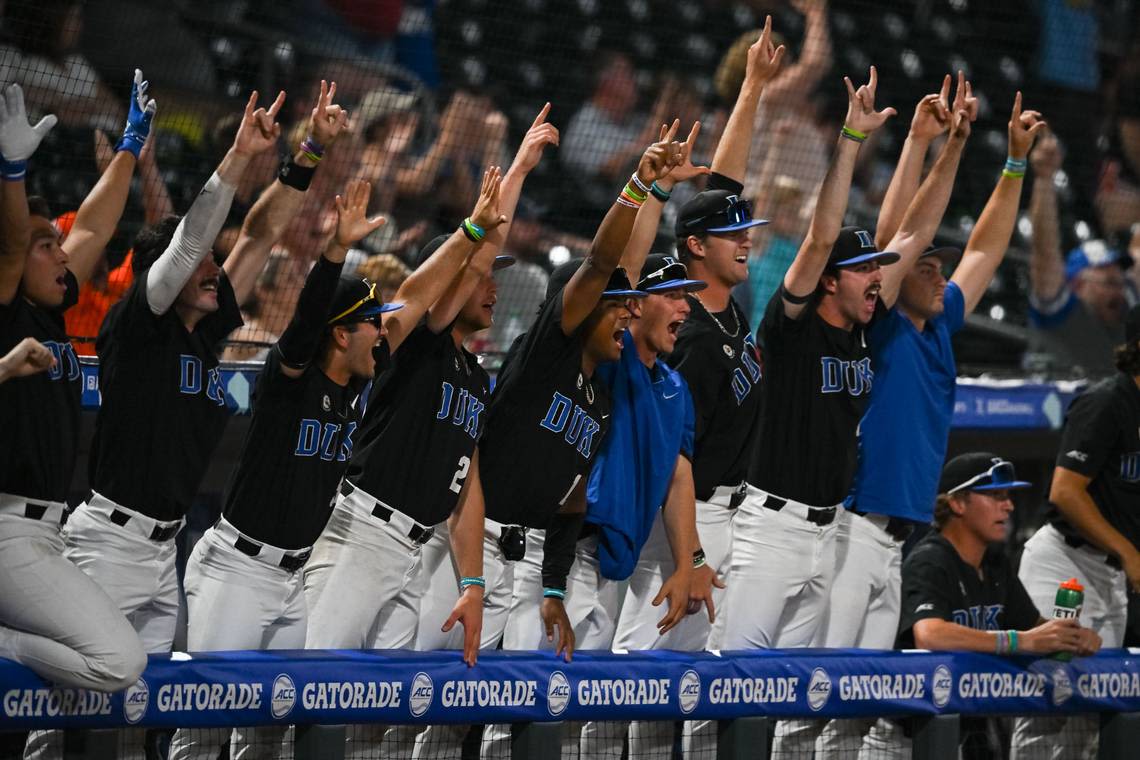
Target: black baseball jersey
424,415
297,448
163,407
817,382
39,414
544,423
722,368
938,583
1101,440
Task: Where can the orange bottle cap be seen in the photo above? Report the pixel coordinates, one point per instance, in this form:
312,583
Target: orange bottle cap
1072,585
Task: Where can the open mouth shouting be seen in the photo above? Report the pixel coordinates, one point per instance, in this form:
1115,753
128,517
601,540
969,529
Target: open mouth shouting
870,296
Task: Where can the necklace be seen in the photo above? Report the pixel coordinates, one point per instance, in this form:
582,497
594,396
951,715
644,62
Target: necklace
735,317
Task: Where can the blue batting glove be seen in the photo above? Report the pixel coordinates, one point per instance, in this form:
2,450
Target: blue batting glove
139,119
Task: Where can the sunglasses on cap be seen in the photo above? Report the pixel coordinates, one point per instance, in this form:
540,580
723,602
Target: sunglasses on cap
739,211
1000,476
370,297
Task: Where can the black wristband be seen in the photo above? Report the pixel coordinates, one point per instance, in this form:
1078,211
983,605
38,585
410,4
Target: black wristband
797,300
558,548
296,176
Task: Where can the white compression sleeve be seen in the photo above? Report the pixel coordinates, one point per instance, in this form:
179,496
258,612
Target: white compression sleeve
191,243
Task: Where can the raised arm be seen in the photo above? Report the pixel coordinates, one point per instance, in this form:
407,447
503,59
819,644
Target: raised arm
425,285
990,238
282,200
862,119
1046,264
194,237
731,157
931,118
443,312
815,56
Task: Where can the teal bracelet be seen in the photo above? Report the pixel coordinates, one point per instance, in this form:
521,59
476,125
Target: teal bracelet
474,232
660,193
472,580
1012,642
553,593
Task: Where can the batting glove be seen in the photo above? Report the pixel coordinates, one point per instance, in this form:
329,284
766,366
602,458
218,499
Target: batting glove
18,138
139,118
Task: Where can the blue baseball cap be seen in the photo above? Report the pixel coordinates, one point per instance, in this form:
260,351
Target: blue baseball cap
661,273
979,471
854,246
1094,253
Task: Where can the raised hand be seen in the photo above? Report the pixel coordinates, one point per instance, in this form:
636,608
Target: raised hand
139,117
553,614
1024,127
327,120
685,170
486,213
540,134
352,222
960,126
1047,156
932,114
764,58
861,113
964,99
18,138
661,157
258,130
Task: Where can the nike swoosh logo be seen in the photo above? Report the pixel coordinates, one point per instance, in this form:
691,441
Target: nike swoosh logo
672,396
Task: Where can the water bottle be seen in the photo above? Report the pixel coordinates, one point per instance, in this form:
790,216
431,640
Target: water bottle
1070,597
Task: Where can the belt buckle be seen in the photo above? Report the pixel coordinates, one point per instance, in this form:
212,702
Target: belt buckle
737,498
420,536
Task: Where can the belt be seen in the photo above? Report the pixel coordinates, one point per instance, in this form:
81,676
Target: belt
144,525
1079,543
733,494
158,533
285,559
32,509
895,527
819,515
417,534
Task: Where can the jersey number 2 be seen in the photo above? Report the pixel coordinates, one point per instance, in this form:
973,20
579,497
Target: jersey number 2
460,474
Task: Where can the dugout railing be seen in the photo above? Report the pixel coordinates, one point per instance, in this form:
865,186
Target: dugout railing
319,692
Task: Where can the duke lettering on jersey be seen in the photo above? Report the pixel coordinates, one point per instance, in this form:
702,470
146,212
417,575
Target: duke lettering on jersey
1130,467
745,377
190,379
463,408
980,617
840,375
66,363
316,438
577,426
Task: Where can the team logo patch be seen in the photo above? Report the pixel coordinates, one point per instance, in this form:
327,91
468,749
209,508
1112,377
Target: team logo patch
557,693
1062,686
728,351
943,684
326,403
422,692
689,695
135,700
284,696
819,689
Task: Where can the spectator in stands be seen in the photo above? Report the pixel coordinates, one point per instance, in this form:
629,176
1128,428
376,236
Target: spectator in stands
267,312
523,286
387,271
1118,196
774,245
1077,302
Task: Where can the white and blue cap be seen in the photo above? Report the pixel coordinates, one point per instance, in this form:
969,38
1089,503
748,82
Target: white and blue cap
1094,253
854,246
715,211
661,273
979,471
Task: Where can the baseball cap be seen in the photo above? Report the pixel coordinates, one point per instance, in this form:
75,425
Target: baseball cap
715,211
948,254
1094,253
979,471
1132,325
381,102
661,273
617,287
854,246
355,300
502,261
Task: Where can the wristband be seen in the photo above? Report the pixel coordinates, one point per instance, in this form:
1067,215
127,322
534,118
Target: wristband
472,580
660,193
698,558
474,232
631,197
1012,642
1015,168
637,183
13,171
312,149
296,176
1002,642
1012,175
553,593
852,134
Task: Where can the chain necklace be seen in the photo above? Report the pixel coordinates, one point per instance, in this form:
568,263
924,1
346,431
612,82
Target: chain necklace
735,316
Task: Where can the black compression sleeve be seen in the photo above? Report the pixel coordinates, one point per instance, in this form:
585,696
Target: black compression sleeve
301,337
717,181
558,548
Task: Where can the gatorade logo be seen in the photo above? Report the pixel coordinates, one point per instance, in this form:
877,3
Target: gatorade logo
422,692
942,686
284,696
135,700
689,694
1062,686
819,689
557,693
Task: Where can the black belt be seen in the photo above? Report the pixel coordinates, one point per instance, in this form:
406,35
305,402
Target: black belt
35,511
819,515
897,528
1077,542
159,533
288,562
416,535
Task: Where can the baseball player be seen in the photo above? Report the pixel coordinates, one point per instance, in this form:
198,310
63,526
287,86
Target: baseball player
959,589
1091,532
53,618
244,585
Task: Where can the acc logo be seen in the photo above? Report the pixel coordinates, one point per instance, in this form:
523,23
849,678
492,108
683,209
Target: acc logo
689,695
422,692
135,700
943,684
557,693
284,695
819,689
1062,686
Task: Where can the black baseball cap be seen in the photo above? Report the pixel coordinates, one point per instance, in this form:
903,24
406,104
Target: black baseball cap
661,273
357,300
979,471
715,211
1132,325
948,254
854,246
502,261
617,287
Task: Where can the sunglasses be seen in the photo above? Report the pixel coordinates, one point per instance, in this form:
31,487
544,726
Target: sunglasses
370,297
1001,472
739,211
